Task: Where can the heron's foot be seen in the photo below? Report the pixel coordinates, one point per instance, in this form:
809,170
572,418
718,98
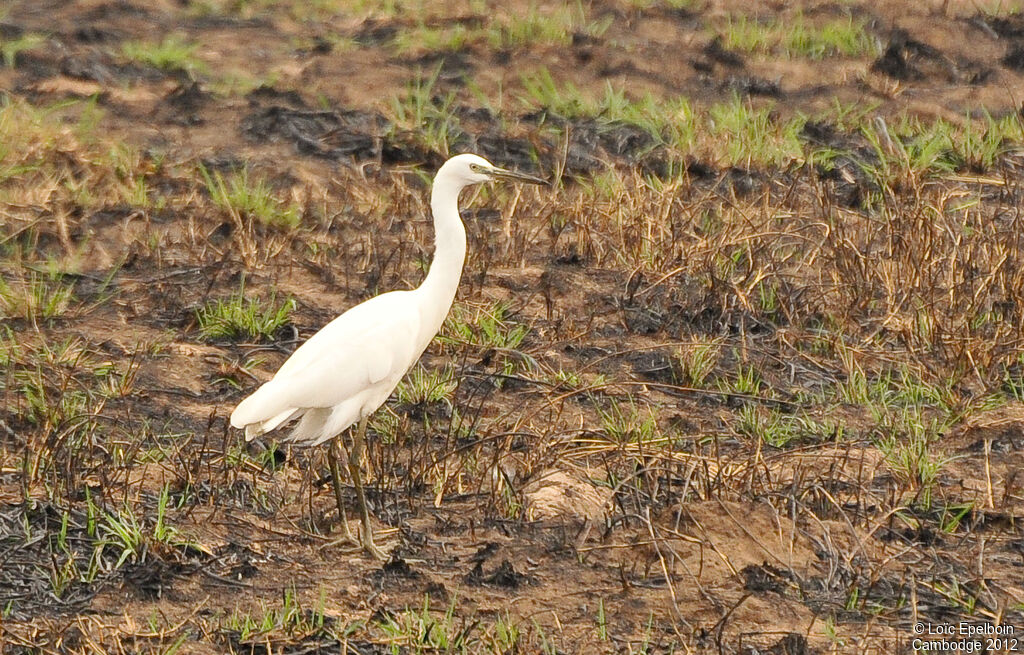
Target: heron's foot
371,548
364,541
346,537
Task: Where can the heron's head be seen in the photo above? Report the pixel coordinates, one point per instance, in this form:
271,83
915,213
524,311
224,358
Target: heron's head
470,169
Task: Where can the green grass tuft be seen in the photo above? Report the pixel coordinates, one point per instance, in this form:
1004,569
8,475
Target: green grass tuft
35,297
753,136
553,26
427,115
252,198
241,317
427,38
795,37
10,48
427,387
171,54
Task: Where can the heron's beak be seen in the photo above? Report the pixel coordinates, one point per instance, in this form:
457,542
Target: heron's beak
502,173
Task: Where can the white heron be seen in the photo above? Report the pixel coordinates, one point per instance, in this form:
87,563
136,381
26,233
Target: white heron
347,370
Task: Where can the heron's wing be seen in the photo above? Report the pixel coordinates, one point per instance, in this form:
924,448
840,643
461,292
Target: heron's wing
365,346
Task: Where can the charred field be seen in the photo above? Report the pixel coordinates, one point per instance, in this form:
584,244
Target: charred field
748,376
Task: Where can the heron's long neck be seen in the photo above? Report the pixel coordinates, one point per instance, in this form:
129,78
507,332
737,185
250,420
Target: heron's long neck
442,281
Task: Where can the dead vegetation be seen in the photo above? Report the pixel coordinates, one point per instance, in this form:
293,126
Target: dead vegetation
748,376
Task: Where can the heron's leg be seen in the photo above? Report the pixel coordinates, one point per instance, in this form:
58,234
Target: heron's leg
332,460
354,456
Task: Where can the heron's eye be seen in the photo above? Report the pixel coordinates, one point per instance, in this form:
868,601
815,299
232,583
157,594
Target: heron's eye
475,168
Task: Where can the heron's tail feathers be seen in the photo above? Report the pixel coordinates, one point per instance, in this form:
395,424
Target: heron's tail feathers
253,430
310,430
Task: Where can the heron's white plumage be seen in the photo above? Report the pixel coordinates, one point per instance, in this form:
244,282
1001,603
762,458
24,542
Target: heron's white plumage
348,369
344,372
367,349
